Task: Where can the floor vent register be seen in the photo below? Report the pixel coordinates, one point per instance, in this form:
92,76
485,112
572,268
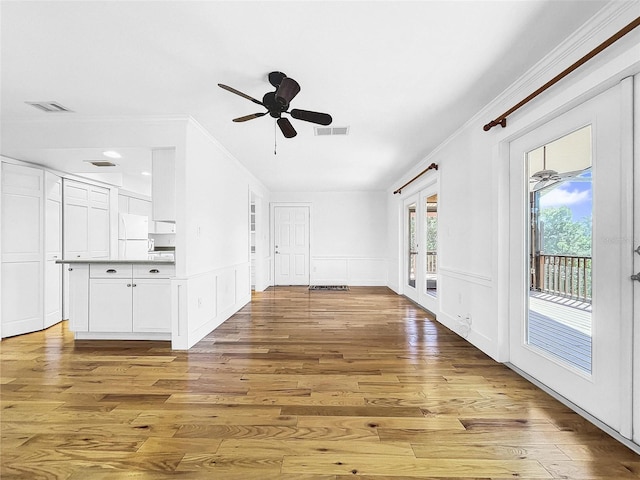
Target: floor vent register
329,287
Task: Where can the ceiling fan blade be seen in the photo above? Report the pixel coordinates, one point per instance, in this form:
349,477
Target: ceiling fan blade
575,173
287,129
287,90
313,117
238,92
541,184
249,117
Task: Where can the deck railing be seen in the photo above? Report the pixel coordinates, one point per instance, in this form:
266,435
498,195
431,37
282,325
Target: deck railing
565,275
432,262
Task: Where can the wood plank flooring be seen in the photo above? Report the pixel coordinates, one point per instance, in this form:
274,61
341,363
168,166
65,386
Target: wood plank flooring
298,385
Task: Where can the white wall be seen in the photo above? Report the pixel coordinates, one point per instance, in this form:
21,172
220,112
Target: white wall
348,239
473,170
212,236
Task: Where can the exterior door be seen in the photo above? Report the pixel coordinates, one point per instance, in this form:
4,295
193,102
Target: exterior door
428,261
571,319
291,242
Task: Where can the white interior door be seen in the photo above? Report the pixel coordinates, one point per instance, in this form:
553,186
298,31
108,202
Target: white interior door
291,245
22,249
552,293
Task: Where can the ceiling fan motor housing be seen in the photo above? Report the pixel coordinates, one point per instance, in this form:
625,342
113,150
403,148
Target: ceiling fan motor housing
275,108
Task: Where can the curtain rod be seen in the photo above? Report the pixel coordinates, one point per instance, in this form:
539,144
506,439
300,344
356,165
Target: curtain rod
433,166
502,119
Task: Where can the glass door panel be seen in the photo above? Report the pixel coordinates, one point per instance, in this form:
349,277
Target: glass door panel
560,195
412,245
431,242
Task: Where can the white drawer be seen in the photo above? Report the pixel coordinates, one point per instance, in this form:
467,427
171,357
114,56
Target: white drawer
110,270
154,271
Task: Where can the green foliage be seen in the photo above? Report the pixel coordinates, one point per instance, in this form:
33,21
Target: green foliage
432,234
562,235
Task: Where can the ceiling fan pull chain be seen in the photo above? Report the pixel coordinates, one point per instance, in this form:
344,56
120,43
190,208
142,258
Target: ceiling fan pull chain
275,138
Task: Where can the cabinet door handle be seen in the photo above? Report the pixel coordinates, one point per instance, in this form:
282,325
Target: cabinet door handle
154,270
134,285
128,284
70,269
111,270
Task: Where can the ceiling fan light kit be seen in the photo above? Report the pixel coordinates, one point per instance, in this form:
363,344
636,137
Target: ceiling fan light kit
277,102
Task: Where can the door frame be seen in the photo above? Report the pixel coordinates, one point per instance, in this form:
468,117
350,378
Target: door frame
272,236
501,267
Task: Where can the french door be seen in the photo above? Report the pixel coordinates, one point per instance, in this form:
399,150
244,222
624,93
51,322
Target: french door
421,248
411,246
571,233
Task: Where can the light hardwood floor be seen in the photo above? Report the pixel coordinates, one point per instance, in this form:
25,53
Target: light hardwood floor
298,385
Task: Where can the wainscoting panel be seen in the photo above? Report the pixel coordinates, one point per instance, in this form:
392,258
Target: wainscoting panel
352,271
202,302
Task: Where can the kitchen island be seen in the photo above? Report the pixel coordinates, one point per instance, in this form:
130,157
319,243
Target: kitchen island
120,299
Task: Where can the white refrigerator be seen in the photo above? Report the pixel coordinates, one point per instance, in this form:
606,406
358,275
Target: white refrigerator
133,236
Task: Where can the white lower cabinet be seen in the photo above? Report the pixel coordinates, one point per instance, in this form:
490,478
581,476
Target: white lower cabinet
120,301
110,305
78,297
151,305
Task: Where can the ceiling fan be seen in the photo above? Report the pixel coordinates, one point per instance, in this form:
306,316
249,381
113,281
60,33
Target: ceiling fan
545,178
277,103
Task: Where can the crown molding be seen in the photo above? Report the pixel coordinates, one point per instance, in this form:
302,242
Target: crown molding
610,19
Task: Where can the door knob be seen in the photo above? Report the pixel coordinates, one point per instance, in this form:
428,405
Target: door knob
636,277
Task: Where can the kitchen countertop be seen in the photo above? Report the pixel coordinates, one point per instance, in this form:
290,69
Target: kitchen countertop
160,260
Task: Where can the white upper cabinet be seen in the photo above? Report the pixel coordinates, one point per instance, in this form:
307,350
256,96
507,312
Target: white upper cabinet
86,220
163,185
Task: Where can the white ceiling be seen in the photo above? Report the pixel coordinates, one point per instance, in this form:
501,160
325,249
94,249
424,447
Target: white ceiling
402,75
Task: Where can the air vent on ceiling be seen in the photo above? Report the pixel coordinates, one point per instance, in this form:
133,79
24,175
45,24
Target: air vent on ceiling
324,131
101,163
49,107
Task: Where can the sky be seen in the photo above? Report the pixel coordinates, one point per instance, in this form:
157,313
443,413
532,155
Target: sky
577,195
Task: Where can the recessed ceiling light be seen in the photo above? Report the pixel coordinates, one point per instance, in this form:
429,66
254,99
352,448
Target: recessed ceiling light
111,154
146,174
